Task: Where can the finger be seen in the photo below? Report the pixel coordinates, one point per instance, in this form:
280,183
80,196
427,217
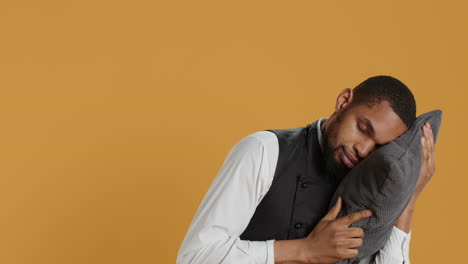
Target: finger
355,232
350,253
331,215
423,130
423,147
425,126
432,160
428,132
430,150
427,147
354,217
353,243
431,139
429,129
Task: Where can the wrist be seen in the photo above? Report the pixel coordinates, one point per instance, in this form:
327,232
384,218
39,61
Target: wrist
307,253
291,251
404,221
412,203
304,254
410,208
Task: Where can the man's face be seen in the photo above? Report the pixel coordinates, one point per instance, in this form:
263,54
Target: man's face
355,131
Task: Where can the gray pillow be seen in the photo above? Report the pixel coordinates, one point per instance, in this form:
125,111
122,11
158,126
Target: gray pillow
384,182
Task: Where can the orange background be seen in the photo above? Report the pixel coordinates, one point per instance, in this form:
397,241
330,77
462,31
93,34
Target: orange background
117,115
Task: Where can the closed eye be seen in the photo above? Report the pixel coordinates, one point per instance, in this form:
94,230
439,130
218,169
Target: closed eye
362,127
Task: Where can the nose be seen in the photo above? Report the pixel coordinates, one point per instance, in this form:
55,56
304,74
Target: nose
364,148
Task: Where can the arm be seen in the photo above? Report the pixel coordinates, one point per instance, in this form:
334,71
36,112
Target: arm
243,180
396,249
246,175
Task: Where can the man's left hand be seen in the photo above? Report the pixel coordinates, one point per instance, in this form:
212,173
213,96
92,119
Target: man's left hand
427,170
428,160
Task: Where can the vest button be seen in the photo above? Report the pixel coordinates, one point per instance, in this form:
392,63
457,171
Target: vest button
298,225
304,185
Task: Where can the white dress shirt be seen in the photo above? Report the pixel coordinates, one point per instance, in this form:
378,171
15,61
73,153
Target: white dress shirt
226,210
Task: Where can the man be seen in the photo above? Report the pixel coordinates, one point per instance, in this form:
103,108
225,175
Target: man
268,202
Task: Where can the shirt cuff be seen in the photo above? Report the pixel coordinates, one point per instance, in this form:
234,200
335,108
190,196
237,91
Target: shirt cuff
270,252
406,237
396,245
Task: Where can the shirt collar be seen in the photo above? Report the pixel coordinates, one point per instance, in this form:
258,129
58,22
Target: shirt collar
319,131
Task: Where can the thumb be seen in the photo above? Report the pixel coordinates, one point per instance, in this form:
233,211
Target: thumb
334,211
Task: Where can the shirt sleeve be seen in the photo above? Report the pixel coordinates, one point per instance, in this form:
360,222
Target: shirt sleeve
396,250
226,209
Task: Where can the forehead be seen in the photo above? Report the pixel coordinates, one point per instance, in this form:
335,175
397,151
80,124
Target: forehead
385,122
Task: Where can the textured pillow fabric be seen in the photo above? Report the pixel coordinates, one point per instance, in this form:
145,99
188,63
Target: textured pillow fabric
384,182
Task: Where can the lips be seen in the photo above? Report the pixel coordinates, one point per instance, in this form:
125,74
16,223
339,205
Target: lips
348,159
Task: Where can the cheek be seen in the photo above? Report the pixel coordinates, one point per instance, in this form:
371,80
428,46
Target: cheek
348,136
338,139
343,133
332,139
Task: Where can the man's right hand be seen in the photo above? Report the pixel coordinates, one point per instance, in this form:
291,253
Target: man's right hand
332,239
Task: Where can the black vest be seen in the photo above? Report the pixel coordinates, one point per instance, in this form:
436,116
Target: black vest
300,192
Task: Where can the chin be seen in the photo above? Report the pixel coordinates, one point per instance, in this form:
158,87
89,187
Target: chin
338,162
335,167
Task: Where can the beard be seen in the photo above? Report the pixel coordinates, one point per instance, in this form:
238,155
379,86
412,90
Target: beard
336,170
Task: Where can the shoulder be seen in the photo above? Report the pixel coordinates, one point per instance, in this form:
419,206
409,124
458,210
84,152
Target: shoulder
262,147
261,141
265,138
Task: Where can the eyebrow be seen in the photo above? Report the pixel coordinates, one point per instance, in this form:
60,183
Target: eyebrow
369,125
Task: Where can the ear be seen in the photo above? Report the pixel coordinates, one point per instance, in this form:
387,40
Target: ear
344,99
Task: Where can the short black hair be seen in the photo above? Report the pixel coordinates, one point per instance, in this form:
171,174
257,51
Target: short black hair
383,87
